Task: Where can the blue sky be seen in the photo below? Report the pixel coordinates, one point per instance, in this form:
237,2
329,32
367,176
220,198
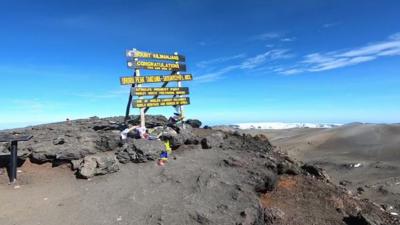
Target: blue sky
257,60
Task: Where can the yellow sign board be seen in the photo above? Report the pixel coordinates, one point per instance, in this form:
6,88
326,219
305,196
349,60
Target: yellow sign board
155,79
158,56
157,65
151,91
157,102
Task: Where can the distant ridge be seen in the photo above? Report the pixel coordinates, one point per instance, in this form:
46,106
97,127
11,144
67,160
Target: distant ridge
280,125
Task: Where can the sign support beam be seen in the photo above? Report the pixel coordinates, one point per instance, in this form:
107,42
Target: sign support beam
128,107
142,110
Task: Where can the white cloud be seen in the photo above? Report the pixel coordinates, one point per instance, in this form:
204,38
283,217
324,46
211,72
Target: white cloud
316,62
260,59
206,63
267,36
290,71
248,63
216,75
329,25
288,39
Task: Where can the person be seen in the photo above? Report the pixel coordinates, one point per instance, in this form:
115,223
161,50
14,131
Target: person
140,132
175,118
124,133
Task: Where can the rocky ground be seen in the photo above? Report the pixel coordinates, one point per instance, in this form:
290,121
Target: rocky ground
212,177
364,158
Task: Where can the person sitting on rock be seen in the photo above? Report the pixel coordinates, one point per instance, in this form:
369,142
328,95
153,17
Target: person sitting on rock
140,132
175,119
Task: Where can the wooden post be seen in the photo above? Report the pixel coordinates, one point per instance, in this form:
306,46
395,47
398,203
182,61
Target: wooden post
128,107
142,110
13,162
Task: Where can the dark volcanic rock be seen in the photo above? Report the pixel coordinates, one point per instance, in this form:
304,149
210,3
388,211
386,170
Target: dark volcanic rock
140,150
151,121
268,183
315,171
215,140
147,150
194,123
59,141
362,219
286,167
273,215
99,164
182,137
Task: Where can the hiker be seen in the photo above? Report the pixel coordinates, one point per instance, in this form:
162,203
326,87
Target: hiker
165,153
175,119
140,132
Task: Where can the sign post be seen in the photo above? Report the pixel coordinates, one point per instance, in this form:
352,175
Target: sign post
13,139
162,62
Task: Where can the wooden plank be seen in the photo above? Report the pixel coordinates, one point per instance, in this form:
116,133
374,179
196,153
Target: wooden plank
148,65
151,91
158,56
155,79
14,137
158,102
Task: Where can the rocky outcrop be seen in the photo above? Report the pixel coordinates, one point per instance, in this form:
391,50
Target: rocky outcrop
193,123
140,151
151,120
99,164
214,140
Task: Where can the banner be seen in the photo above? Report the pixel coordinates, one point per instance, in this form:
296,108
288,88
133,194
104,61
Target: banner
155,79
157,65
157,102
158,56
150,91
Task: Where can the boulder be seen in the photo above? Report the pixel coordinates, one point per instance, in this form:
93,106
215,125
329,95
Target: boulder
214,140
109,141
363,219
273,215
193,123
99,164
140,150
147,150
185,136
315,171
151,120
72,146
58,141
267,183
286,167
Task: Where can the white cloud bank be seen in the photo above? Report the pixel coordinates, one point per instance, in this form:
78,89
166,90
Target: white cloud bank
316,62
247,63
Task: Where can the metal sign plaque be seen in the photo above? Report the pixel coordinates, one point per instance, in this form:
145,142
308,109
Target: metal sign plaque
137,64
155,79
157,56
157,102
152,91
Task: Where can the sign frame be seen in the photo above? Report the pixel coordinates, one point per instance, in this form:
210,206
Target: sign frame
152,65
157,56
129,80
159,102
153,91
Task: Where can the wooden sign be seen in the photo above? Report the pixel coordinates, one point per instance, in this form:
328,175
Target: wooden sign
155,79
157,102
151,91
158,56
157,65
